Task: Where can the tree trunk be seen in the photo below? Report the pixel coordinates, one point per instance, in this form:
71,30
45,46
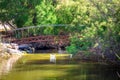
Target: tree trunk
4,27
13,27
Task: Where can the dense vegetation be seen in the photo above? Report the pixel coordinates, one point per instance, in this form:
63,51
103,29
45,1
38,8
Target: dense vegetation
95,24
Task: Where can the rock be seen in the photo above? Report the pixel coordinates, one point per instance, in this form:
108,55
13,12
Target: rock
26,47
14,51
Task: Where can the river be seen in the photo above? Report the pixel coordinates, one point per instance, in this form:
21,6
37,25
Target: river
38,67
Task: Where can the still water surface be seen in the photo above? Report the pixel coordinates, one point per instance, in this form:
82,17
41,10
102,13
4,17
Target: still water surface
38,67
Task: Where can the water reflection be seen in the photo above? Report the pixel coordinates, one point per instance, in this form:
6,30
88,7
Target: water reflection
38,67
6,65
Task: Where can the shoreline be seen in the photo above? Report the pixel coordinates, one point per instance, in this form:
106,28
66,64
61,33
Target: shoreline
9,54
7,64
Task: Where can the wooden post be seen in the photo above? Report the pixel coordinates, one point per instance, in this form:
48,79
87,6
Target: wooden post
22,34
28,33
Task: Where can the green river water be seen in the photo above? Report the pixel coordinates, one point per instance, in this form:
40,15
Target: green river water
38,67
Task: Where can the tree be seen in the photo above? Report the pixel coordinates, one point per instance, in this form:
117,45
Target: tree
45,13
100,19
18,11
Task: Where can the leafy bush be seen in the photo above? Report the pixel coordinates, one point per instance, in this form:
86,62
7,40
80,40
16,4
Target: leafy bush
72,49
77,44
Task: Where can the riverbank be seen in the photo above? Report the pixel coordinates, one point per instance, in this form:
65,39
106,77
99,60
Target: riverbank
87,56
9,54
6,64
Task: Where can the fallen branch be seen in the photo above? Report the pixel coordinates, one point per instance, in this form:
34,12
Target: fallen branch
117,56
118,74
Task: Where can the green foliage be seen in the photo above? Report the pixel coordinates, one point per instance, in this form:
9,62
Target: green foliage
17,10
48,30
78,43
96,21
45,13
21,19
101,20
72,49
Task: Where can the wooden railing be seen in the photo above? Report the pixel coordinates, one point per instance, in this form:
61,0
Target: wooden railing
25,36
